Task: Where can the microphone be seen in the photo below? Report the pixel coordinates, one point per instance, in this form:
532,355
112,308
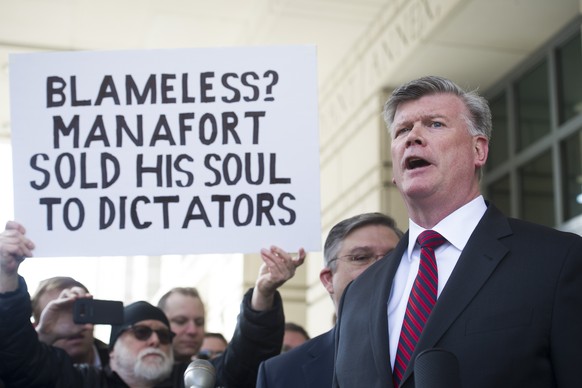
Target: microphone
436,368
200,374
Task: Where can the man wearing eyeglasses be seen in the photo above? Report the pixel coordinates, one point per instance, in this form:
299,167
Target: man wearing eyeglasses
351,247
141,348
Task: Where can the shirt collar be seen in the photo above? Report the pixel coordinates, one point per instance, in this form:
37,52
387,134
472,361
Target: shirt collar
457,227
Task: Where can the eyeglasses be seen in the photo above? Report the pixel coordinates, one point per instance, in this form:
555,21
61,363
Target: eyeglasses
143,333
359,259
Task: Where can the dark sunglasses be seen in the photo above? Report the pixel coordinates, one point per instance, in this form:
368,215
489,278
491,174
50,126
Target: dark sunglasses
143,333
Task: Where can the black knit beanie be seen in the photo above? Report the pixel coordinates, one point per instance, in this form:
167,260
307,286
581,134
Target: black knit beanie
136,312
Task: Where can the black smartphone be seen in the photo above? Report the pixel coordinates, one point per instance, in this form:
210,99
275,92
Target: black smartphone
97,311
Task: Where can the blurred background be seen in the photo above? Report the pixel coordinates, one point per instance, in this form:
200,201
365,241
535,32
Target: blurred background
525,56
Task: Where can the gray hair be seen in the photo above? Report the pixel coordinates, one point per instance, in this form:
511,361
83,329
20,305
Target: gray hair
479,120
338,233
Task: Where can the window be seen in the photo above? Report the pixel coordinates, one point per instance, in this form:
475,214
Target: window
535,155
572,175
498,148
569,63
537,203
499,194
533,106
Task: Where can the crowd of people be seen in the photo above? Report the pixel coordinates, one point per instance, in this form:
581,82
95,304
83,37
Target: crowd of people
141,348
179,321
501,295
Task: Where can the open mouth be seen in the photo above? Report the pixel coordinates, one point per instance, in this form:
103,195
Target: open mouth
412,163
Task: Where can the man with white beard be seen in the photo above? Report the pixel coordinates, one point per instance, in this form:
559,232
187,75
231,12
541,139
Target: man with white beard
141,348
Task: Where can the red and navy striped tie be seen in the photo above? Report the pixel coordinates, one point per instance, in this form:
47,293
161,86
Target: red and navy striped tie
420,303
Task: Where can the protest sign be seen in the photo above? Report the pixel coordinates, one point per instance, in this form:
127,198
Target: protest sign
166,151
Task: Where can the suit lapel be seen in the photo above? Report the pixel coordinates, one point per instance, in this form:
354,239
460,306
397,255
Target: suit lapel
320,361
477,262
384,272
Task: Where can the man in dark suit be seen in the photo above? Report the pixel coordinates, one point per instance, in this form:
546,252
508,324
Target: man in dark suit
351,246
509,292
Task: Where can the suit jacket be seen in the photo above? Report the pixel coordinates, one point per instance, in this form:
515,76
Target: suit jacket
511,312
308,365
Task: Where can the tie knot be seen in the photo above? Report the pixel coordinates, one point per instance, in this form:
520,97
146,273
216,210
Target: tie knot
430,239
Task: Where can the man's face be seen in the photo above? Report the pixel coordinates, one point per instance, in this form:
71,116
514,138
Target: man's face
434,155
213,347
186,316
366,241
80,346
146,359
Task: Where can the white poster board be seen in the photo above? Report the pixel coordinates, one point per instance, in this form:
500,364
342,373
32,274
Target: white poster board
166,151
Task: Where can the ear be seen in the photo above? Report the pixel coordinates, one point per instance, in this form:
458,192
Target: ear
326,278
481,146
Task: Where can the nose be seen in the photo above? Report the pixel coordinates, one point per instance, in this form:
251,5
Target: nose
153,340
414,136
192,327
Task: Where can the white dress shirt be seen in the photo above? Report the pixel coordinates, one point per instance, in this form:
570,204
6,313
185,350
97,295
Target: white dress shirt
456,228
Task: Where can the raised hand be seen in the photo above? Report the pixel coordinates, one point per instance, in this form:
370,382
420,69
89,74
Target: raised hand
14,248
278,267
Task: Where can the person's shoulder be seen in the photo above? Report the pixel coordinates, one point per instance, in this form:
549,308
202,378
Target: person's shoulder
536,230
536,233
542,242
299,355
293,356
93,376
